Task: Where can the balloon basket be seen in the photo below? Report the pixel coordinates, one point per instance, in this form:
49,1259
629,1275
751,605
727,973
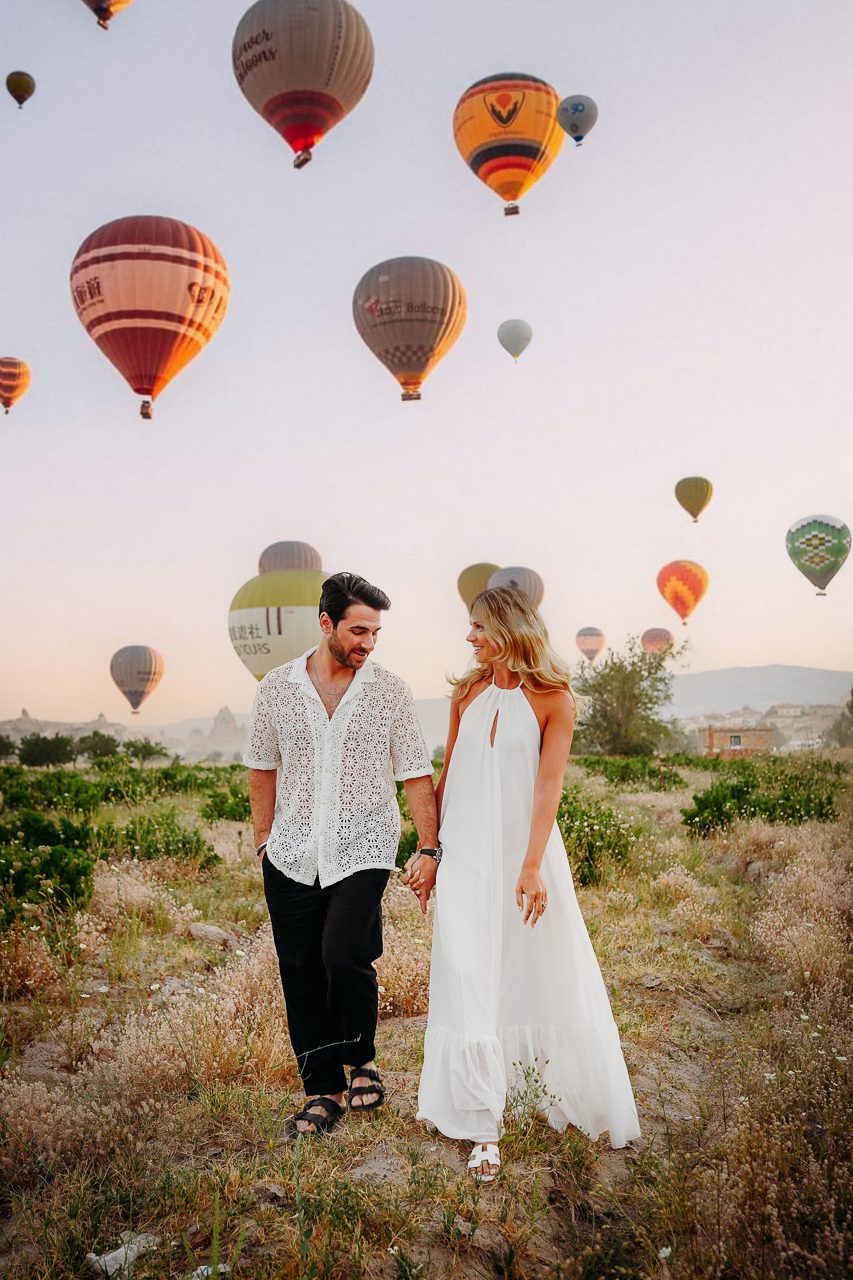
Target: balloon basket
820,593
146,411
511,210
105,26
410,395
301,159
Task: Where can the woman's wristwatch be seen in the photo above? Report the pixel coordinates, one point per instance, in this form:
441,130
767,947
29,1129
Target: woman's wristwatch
433,853
260,849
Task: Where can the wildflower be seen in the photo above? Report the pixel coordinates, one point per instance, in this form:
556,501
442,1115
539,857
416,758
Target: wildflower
238,952
155,986
392,1248
743,1098
103,990
813,1035
82,946
839,1057
84,995
804,1017
769,1075
664,1252
381,991
790,993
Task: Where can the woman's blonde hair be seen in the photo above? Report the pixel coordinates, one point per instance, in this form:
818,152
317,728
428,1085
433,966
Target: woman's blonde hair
515,627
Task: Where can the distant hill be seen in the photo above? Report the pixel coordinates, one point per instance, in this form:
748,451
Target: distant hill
709,692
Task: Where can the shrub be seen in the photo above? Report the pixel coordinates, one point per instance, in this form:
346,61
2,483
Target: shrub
96,745
231,805
59,789
32,829
7,747
637,772
160,835
38,875
143,749
777,789
38,749
596,837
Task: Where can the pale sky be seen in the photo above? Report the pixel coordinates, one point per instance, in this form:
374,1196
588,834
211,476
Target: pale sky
687,274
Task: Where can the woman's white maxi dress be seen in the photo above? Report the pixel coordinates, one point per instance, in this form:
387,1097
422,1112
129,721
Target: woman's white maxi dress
510,1005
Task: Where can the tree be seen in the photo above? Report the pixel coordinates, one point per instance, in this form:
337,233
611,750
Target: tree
38,749
840,732
7,747
143,749
96,745
627,691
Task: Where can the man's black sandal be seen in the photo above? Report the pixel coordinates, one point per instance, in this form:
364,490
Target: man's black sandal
323,1123
359,1091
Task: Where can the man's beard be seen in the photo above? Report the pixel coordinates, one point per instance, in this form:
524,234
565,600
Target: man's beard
339,653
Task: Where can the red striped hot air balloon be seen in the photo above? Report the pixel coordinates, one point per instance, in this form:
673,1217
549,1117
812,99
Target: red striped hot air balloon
590,641
14,380
683,583
657,640
137,669
151,292
303,65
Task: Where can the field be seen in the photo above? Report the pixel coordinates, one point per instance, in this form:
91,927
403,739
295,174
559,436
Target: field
146,1068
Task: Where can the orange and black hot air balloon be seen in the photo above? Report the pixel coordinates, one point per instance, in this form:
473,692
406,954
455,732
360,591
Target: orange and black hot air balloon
14,380
151,292
683,583
507,132
106,10
303,65
137,669
21,86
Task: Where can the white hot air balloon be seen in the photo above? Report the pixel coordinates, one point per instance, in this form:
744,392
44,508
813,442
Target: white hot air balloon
527,580
576,116
514,336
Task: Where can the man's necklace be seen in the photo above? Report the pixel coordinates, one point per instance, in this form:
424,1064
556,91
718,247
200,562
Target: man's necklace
330,695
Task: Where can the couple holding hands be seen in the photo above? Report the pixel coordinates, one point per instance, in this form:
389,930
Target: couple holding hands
516,994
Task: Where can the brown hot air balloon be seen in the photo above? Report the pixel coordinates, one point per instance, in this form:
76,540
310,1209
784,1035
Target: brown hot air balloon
137,670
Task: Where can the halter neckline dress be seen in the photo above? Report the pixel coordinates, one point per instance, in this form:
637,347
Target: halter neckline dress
512,1009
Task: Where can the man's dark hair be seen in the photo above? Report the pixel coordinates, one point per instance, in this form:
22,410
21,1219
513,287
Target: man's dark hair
344,589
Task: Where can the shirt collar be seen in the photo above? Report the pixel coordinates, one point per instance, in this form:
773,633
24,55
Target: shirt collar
299,671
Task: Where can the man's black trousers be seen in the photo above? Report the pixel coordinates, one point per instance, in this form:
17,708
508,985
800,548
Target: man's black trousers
326,941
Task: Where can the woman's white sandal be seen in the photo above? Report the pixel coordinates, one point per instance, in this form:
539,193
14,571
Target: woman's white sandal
484,1153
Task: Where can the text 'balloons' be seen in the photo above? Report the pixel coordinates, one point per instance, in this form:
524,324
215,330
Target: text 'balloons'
818,546
274,618
409,312
15,379
506,131
514,336
137,669
576,115
526,580
683,583
303,65
151,292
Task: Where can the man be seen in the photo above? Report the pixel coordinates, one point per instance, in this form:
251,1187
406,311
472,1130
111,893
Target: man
338,729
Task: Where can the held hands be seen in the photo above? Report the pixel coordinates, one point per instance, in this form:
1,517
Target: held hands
419,874
531,886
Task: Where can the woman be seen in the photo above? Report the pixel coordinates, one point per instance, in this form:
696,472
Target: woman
510,1005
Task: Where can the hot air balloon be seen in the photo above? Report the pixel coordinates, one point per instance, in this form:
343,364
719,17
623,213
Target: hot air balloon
683,583
274,618
409,311
694,493
576,115
473,580
290,555
303,65
657,640
106,10
151,292
14,380
137,670
21,86
590,641
514,336
506,130
818,546
527,580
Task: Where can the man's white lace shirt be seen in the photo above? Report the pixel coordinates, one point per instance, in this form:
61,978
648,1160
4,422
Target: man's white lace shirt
336,805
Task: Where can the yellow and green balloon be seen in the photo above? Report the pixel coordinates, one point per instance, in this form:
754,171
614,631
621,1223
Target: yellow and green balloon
473,580
818,546
694,493
274,618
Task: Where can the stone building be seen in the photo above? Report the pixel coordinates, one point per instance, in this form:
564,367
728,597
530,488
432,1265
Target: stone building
732,742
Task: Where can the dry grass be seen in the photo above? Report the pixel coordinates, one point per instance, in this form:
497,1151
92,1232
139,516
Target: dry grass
174,1073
